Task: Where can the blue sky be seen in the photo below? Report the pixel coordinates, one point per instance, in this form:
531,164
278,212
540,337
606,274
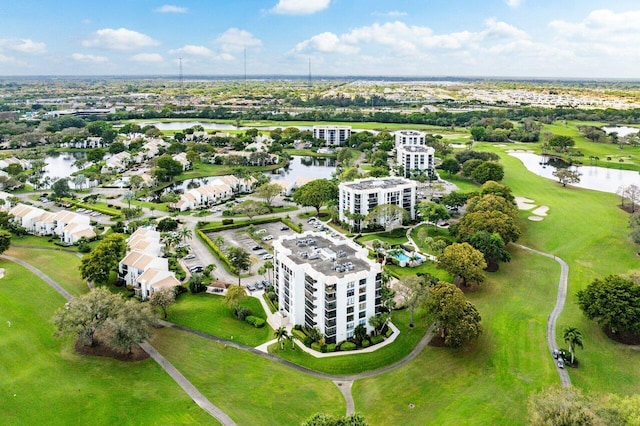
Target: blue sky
518,38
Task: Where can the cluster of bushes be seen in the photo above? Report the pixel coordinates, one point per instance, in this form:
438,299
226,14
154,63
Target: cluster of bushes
291,225
313,339
216,250
255,321
227,221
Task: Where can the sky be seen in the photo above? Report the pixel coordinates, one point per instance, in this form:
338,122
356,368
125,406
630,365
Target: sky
420,38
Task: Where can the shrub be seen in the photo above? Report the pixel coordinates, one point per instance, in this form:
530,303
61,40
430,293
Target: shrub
365,343
297,326
227,221
298,334
291,225
389,332
243,312
255,321
316,346
347,346
331,347
307,341
376,339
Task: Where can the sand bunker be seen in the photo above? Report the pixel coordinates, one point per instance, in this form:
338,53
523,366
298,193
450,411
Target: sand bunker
541,211
536,218
500,145
524,203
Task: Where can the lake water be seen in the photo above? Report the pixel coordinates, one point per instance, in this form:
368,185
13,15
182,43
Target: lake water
311,167
62,165
622,131
592,177
183,125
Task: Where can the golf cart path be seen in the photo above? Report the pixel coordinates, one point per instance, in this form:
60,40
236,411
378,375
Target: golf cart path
557,309
173,372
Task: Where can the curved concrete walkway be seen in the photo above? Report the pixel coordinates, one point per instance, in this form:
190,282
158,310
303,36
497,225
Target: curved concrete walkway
557,309
173,372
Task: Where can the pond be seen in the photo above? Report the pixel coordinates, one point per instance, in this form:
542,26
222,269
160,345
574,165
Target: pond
308,167
62,165
592,177
622,131
183,125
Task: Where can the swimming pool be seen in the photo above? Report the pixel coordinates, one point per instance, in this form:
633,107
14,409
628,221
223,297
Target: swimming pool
400,256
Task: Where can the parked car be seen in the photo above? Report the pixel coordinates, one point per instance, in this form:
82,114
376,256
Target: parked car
560,363
555,353
190,256
251,287
261,252
196,268
267,238
259,285
267,256
256,248
284,228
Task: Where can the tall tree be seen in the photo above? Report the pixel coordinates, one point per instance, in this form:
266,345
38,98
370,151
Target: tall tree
316,194
450,165
61,188
239,259
492,247
268,192
413,291
489,170
562,406
573,337
489,221
235,294
388,215
5,240
97,265
130,325
567,176
163,298
464,261
614,302
249,208
457,319
84,315
433,212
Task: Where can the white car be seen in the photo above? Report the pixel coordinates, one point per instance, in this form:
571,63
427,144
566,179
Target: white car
190,256
267,238
267,256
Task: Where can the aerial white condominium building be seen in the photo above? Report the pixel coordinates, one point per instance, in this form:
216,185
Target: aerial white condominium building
416,160
362,195
327,283
332,135
409,137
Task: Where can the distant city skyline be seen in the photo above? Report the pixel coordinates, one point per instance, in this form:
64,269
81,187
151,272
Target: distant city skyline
494,38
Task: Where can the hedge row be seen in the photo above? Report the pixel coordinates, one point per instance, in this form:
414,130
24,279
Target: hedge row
103,210
377,339
255,321
291,225
272,308
216,251
236,225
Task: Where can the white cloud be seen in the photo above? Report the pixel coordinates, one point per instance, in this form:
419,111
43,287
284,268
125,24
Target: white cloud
147,57
120,39
167,8
190,49
235,40
7,59
602,32
390,14
23,45
326,43
513,3
81,57
300,7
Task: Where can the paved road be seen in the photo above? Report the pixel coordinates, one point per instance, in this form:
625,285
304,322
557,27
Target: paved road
188,387
557,309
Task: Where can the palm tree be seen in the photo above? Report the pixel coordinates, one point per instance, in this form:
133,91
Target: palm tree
281,334
268,265
573,337
239,259
219,241
185,234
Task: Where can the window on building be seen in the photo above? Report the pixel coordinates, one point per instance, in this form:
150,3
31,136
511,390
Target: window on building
362,306
350,301
350,310
362,314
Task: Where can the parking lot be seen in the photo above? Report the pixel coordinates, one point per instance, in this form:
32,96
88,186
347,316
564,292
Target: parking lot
238,237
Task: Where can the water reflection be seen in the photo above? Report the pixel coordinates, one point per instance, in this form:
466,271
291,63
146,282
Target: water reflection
307,167
592,177
61,165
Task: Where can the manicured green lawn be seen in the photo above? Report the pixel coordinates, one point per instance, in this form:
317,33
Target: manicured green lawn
463,184
348,364
249,388
210,314
488,383
395,237
425,268
61,266
43,381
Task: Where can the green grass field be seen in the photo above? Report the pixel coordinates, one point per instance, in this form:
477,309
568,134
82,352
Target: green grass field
61,266
405,342
488,383
210,314
250,389
43,381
